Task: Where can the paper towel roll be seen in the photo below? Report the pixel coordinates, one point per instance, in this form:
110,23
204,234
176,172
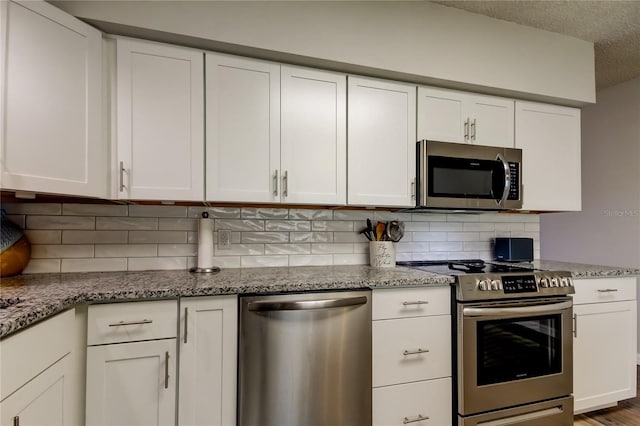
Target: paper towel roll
205,243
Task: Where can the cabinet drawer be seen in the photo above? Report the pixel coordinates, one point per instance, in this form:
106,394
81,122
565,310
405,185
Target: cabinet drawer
411,349
596,290
131,321
400,404
410,302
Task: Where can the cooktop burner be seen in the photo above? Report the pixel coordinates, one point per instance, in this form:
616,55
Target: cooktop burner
479,280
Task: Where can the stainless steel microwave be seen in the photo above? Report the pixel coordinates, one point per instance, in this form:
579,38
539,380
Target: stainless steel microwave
465,176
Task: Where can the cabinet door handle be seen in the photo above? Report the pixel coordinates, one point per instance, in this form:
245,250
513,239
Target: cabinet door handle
16,421
607,290
122,172
166,370
417,302
575,325
275,184
285,184
416,352
418,418
473,130
413,188
119,323
466,129
186,322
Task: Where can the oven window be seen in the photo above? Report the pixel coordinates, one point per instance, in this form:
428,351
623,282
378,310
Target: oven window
520,348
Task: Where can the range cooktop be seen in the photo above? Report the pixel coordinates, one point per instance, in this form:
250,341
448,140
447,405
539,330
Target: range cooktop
479,280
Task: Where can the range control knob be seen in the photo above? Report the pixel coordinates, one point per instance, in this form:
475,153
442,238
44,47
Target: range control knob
496,285
554,282
544,282
484,285
565,282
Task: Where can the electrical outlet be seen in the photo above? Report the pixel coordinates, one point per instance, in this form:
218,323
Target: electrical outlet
224,238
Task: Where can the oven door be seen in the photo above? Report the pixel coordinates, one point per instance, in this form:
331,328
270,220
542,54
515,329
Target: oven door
513,352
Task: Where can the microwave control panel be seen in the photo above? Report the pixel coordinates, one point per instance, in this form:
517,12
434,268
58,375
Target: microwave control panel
514,190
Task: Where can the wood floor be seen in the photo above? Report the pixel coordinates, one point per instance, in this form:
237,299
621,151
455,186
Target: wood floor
626,413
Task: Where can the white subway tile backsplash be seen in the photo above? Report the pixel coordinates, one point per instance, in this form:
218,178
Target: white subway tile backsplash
94,265
110,237
44,236
310,214
287,225
157,237
126,250
334,225
177,224
287,249
18,219
262,261
94,210
156,263
177,250
94,237
33,208
263,213
264,237
61,251
124,223
60,222
311,260
157,211
42,266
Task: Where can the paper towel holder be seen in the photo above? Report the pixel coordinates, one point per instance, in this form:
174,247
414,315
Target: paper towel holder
199,269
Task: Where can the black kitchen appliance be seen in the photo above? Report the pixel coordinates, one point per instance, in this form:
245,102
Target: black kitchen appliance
513,249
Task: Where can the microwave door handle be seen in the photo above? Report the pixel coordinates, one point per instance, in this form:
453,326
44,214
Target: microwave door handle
507,180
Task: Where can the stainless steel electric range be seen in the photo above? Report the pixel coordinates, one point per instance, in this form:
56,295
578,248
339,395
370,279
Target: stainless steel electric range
513,343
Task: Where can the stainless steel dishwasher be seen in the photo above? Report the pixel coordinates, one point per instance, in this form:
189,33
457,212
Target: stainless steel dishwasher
305,360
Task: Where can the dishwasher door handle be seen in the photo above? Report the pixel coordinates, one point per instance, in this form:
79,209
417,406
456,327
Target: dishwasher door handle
303,305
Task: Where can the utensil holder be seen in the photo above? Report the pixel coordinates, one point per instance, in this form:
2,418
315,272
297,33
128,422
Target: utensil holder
382,254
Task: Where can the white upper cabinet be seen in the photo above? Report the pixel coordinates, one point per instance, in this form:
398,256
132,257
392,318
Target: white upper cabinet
382,143
314,136
549,137
51,102
274,134
452,116
243,129
160,122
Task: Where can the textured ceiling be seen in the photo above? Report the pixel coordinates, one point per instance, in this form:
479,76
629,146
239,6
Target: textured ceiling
613,26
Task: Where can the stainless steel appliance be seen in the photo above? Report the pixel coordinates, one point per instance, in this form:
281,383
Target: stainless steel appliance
513,344
465,176
305,359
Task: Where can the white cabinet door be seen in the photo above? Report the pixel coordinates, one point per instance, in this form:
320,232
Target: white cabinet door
442,115
313,139
491,121
160,121
604,354
208,361
132,383
460,117
382,143
549,137
45,400
51,102
243,129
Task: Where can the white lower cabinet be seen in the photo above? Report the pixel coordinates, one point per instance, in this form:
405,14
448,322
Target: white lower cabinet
605,324
40,372
131,365
208,344
412,357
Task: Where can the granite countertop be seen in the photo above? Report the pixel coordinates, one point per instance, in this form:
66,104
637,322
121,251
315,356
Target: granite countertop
42,295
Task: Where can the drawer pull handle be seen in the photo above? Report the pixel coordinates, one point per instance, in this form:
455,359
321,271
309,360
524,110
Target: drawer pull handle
418,418
118,324
417,302
416,352
166,370
16,421
607,290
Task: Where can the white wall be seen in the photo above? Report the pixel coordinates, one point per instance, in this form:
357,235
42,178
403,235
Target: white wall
607,230
418,41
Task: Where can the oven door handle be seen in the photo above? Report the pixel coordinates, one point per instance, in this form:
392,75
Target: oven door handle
485,312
